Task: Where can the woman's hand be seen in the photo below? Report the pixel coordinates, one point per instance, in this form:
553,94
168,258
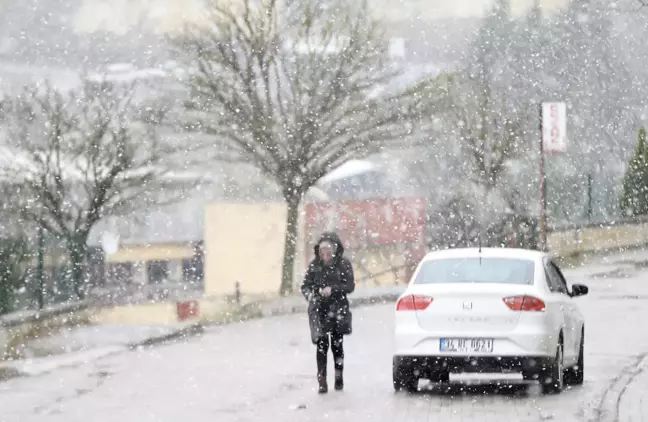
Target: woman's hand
326,291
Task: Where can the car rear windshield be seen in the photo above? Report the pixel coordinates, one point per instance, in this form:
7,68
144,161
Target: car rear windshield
476,270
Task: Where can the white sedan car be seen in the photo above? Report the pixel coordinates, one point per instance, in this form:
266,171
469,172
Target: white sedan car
489,310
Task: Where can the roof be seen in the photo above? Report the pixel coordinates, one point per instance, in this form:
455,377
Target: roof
486,253
181,222
349,169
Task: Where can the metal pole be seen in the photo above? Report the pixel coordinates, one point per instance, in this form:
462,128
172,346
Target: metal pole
543,192
40,269
589,197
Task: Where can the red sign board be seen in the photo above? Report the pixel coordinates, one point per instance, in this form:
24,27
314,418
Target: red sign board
554,127
372,222
187,310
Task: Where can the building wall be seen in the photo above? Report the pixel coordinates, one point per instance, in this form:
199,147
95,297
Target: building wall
152,252
382,266
383,237
136,259
244,242
153,313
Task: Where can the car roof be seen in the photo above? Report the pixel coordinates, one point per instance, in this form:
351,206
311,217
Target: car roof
486,253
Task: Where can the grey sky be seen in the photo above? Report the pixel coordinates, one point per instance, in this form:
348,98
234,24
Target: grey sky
118,15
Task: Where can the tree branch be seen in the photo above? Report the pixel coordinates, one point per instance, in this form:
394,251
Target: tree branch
82,155
294,92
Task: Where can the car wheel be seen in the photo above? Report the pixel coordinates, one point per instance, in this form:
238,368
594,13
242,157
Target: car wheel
404,378
553,379
576,375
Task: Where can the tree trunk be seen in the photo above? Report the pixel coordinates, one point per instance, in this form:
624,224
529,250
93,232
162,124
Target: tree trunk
290,244
77,248
6,297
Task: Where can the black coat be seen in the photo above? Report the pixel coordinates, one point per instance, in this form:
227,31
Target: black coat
329,314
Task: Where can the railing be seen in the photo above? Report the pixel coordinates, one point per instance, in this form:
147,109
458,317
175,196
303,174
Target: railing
623,221
17,327
22,317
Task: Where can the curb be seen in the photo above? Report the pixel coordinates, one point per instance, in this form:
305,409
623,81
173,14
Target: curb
7,372
189,331
377,300
608,407
11,372
353,303
255,310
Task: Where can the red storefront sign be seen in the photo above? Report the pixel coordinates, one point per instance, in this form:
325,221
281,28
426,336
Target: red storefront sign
372,222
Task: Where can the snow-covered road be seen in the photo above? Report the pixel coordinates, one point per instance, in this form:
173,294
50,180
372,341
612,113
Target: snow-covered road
264,370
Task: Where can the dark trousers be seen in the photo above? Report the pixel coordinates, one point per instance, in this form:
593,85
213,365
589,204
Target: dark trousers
337,349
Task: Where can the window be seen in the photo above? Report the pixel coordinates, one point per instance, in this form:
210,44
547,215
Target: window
562,283
192,270
550,283
557,282
158,271
96,265
477,270
120,273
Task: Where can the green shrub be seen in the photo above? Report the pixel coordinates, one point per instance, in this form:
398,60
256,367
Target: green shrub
14,258
634,198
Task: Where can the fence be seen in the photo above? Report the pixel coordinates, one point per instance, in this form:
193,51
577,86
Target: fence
16,326
599,236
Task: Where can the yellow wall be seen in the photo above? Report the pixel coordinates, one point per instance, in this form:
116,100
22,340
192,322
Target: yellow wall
156,313
597,238
153,252
245,242
379,263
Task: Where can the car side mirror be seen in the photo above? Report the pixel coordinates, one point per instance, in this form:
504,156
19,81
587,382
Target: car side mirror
579,290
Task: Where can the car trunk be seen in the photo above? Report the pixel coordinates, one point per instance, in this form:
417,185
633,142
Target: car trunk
469,307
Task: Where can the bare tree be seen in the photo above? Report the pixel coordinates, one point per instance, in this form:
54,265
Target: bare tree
296,91
485,123
78,156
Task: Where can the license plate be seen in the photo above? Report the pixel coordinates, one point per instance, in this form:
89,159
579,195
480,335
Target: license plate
467,345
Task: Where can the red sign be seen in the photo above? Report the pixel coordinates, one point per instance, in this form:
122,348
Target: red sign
374,222
554,127
187,310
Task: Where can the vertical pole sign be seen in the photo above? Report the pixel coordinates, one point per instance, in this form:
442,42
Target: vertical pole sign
553,139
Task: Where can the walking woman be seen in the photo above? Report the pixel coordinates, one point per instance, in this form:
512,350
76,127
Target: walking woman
328,281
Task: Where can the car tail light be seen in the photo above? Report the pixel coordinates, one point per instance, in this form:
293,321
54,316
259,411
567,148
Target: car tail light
413,303
525,303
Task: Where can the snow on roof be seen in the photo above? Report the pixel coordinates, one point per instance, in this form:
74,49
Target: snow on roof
349,169
181,222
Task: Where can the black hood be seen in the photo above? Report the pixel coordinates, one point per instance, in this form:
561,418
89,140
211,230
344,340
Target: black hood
334,238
